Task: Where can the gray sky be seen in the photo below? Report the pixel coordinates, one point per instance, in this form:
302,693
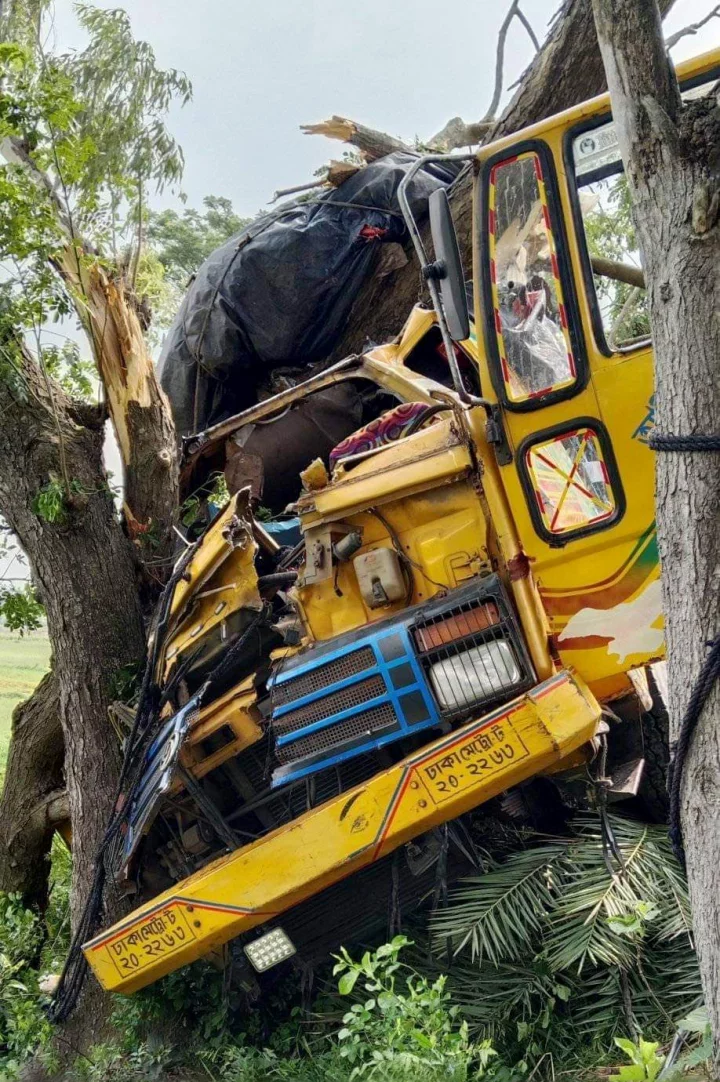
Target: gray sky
260,70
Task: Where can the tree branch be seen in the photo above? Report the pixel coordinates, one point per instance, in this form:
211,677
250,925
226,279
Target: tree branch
693,28
513,12
371,144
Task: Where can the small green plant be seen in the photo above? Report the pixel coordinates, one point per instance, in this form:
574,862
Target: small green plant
20,609
23,1026
407,1027
51,502
645,1063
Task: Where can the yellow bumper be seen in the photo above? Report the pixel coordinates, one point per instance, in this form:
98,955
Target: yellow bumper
258,882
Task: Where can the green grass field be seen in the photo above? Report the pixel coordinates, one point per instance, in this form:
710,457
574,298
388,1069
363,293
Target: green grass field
22,664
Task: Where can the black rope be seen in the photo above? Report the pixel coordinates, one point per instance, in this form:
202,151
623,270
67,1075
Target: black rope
709,672
700,693
683,443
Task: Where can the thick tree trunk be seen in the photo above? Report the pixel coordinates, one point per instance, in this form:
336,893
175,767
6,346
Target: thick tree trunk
33,800
567,69
670,153
85,571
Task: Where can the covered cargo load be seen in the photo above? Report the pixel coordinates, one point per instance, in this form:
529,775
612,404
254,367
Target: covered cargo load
278,294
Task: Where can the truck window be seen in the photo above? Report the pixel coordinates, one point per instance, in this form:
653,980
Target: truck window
604,200
533,337
570,481
620,297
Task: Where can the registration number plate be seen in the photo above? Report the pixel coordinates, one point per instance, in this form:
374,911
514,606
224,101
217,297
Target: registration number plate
162,934
479,756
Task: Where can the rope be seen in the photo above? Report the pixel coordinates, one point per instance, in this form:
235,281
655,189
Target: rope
709,672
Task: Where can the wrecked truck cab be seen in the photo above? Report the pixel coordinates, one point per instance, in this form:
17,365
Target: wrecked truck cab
314,722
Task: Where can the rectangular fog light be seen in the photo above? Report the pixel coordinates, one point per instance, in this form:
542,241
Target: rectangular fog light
269,950
470,676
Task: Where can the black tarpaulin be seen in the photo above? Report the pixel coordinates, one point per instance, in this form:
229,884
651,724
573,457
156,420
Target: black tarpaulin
279,293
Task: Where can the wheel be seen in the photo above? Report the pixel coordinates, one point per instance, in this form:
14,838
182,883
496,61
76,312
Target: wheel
655,725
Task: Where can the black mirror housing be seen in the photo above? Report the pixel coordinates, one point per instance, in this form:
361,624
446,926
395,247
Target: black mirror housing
448,270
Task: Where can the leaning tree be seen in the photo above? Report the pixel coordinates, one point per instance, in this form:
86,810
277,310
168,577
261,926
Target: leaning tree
83,139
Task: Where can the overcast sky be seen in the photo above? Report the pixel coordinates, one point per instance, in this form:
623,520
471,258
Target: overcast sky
260,69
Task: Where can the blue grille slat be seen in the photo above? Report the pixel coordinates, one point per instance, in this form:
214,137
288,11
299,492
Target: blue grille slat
394,697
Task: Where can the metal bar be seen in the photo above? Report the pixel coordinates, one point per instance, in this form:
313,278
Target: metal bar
260,881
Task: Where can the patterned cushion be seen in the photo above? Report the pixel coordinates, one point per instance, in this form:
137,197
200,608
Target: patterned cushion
392,425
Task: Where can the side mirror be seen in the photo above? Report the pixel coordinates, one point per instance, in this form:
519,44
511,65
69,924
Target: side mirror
447,269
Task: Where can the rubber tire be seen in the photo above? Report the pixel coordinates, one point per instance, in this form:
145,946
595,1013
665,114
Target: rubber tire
653,793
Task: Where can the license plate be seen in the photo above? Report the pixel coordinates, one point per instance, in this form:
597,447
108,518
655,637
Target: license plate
162,934
479,756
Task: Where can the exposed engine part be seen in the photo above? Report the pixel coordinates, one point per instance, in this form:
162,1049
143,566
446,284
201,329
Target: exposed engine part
347,546
380,577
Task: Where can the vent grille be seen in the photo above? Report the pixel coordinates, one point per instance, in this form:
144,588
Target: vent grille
355,695
340,668
371,722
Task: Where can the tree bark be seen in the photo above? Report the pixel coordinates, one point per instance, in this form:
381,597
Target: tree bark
33,795
84,568
670,153
139,410
568,69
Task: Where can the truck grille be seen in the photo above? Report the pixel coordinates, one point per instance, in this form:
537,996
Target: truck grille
354,695
372,722
321,677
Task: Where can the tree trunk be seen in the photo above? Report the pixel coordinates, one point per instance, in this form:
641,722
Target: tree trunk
85,570
670,153
32,799
567,69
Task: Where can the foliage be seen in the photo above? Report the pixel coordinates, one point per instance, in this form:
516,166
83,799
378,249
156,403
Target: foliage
646,1063
20,609
183,241
22,1022
213,495
70,369
407,1028
610,233
551,944
88,138
51,501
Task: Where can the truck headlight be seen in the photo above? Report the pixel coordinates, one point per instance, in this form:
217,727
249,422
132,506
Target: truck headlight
269,950
470,676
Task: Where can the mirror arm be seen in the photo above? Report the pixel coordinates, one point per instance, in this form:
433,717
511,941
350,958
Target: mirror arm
432,271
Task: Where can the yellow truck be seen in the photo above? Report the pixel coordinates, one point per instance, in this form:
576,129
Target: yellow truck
473,601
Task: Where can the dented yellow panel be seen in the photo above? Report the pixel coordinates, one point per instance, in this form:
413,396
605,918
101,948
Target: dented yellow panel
433,456
257,883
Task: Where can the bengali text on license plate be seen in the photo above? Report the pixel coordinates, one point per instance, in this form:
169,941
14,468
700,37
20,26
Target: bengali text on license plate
160,935
480,755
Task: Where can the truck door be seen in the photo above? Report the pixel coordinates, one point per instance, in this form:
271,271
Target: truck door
568,358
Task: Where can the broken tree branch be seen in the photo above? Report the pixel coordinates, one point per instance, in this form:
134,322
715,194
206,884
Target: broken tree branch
371,144
337,174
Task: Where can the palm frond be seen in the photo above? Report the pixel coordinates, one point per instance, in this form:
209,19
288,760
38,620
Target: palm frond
498,915
581,927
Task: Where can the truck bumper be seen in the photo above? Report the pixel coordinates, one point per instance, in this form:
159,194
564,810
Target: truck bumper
252,885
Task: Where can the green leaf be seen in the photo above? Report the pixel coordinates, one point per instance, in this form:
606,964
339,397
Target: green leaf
347,982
